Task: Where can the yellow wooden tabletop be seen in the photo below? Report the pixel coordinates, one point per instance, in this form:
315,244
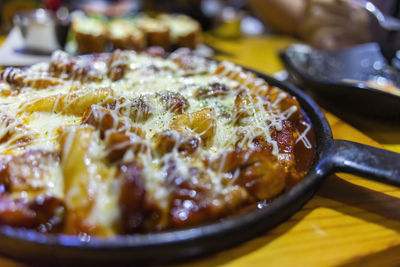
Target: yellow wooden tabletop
350,221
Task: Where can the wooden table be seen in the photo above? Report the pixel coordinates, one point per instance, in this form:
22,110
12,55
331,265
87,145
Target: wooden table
351,221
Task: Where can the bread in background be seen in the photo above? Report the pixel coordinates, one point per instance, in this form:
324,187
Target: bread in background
124,34
93,35
157,33
90,35
184,31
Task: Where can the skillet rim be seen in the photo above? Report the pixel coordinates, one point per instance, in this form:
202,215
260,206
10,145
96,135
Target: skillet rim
265,218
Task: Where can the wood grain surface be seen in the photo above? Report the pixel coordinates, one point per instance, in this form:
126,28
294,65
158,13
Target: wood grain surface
350,221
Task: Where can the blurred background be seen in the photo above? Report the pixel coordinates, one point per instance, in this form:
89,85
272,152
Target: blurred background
32,29
324,24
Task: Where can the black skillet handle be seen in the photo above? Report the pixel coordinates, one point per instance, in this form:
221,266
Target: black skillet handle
370,162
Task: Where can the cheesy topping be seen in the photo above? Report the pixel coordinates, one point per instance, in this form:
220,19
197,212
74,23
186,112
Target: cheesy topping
89,26
179,25
145,143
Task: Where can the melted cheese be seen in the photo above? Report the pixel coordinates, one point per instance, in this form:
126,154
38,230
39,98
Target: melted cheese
47,128
146,78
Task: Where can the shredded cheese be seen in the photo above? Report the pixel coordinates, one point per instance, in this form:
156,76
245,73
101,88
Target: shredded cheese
139,100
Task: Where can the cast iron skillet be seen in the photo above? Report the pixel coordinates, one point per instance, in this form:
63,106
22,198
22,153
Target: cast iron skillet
339,76
331,156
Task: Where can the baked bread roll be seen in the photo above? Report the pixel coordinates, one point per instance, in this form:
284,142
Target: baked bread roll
123,34
157,33
184,31
90,35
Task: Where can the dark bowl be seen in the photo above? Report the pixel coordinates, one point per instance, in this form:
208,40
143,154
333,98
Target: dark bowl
339,77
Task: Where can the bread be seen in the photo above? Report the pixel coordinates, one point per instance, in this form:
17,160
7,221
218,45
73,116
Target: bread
90,35
93,34
157,34
123,34
184,31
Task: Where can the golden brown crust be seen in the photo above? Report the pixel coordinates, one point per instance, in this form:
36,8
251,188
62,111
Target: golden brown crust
158,38
166,141
157,34
138,35
18,78
15,178
135,42
192,39
202,122
88,43
174,102
103,120
131,37
44,213
184,31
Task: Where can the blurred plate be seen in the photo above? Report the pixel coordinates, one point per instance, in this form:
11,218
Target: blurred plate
342,76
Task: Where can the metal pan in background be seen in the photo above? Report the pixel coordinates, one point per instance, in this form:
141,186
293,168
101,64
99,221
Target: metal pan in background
339,76
156,248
